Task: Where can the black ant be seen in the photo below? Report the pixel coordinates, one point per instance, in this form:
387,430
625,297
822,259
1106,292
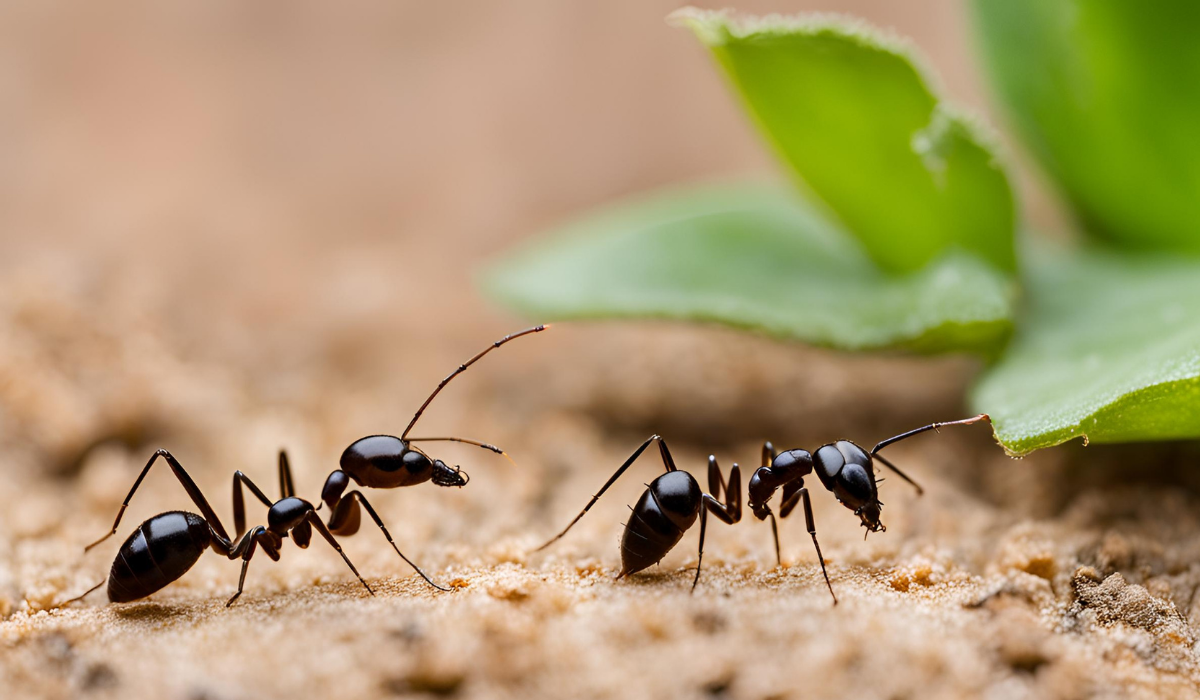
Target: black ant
843,467
165,547
388,462
667,509
671,502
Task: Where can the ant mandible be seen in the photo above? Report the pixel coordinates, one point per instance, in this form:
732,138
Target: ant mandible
844,468
667,509
388,462
163,548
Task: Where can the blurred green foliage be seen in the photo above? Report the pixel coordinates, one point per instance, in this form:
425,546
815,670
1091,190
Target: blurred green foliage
1106,94
755,257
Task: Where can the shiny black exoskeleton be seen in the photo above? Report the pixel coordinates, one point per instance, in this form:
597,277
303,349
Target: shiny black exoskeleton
388,462
845,470
160,551
667,509
166,546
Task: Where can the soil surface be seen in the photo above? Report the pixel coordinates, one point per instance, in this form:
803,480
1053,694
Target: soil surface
223,233
1064,575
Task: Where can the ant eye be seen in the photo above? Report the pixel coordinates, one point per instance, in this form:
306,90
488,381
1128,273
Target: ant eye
855,486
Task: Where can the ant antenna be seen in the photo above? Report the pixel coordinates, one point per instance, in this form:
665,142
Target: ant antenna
463,367
476,443
932,426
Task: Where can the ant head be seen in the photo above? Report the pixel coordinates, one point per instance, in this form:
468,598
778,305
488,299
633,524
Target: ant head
869,514
444,475
848,471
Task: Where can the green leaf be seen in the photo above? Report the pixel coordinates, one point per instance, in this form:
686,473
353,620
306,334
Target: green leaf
752,257
1104,94
1108,351
849,110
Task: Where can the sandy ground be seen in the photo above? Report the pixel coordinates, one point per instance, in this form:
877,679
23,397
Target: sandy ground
1065,575
230,228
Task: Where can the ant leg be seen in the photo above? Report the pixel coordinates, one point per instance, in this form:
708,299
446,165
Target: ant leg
729,513
621,470
775,534
700,551
716,481
245,549
463,368
802,494
286,487
320,526
80,597
239,504
302,535
902,475
188,485
768,456
791,497
335,485
345,518
768,453
242,579
355,497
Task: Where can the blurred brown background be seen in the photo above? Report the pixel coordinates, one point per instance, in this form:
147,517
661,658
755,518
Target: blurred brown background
227,227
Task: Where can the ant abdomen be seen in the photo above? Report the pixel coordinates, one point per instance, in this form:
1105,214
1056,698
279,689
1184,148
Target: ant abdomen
666,510
158,552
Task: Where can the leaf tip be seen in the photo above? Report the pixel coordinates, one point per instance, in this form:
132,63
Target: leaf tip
716,27
705,24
